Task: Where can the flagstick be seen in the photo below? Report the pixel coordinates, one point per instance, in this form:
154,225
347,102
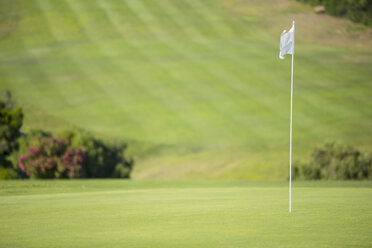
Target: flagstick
290,134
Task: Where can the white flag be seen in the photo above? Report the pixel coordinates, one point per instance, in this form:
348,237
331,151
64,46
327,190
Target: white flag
287,42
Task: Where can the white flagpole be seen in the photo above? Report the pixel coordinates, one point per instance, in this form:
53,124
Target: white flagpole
290,133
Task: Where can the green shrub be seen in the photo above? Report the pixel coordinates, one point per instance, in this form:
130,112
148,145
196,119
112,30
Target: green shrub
356,10
122,171
24,142
11,118
8,173
52,158
103,159
334,161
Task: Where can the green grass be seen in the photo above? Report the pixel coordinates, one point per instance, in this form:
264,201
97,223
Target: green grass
117,213
195,87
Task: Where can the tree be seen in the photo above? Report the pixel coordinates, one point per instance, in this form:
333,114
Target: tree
11,118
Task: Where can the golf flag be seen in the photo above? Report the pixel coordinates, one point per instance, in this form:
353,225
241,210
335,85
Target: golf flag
287,42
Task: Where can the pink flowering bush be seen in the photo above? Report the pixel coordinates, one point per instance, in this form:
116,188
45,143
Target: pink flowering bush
52,158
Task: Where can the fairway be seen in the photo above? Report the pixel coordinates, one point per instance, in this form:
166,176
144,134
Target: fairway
195,86
116,213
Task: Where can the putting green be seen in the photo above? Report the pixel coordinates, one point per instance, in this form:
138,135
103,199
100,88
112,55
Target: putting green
117,213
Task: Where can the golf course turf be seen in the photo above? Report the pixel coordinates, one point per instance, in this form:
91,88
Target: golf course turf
197,90
119,213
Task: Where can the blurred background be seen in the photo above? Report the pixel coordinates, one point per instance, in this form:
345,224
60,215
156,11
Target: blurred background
194,88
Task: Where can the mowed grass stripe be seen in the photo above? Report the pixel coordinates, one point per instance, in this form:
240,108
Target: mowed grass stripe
160,97
175,11
199,106
79,93
258,84
64,76
331,101
214,52
34,82
211,71
228,24
241,135
80,67
128,85
200,85
269,80
203,14
108,86
209,86
258,66
179,85
168,95
53,89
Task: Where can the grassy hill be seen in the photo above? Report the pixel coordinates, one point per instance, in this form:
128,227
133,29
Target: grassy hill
195,87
